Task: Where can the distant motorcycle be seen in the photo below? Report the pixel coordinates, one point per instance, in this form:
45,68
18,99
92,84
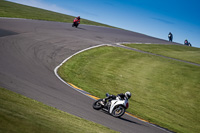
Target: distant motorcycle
76,22
115,107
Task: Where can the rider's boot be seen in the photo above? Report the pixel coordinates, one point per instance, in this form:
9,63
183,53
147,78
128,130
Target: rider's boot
103,102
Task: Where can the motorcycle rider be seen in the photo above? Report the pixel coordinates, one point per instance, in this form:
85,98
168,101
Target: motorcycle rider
122,96
76,21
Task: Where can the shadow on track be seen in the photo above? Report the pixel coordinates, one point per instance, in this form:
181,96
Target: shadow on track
124,119
7,33
81,28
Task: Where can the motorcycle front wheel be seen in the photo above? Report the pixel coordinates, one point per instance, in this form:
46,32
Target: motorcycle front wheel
97,105
118,111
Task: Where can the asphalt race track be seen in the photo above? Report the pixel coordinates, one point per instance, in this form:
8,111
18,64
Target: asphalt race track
31,49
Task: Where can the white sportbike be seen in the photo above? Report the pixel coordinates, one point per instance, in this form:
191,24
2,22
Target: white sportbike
116,107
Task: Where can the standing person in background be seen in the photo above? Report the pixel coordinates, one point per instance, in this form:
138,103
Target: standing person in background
189,44
170,36
186,42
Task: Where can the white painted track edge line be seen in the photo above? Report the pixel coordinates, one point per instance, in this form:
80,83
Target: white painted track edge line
56,69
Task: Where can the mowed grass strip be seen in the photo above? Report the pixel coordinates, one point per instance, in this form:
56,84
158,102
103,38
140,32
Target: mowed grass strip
164,92
14,10
19,114
181,52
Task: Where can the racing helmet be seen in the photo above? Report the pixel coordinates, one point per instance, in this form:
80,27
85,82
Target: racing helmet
78,17
128,95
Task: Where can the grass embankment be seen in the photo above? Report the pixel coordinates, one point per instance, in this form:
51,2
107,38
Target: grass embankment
181,52
14,10
22,115
165,92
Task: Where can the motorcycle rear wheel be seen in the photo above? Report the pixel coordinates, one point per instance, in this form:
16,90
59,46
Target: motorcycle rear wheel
97,105
118,111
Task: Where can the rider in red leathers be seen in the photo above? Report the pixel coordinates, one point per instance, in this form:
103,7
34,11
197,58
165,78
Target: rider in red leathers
76,22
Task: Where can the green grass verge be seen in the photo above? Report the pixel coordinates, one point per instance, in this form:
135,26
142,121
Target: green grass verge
181,52
14,10
22,115
165,92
